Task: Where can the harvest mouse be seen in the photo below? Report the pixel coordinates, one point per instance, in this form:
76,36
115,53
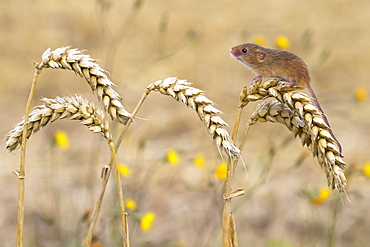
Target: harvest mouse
267,62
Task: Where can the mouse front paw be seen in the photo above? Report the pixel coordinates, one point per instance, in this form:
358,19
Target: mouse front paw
285,84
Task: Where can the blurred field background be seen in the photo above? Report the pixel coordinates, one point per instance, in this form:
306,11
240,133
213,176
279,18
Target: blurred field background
140,42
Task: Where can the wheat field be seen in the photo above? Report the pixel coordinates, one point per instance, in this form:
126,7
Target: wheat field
169,162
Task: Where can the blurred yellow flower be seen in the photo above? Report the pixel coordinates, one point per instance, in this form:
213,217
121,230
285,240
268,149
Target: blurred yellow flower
61,139
322,196
172,157
147,221
361,94
130,204
93,243
366,169
96,244
282,42
221,171
259,39
199,161
124,170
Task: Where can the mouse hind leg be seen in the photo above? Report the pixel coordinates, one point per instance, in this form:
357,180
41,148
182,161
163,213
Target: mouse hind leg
256,79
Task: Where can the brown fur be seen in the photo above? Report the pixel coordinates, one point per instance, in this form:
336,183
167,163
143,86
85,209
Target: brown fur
267,62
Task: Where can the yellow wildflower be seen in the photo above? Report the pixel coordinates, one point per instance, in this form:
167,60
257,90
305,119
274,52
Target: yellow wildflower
96,244
147,221
282,42
61,139
366,169
259,39
172,157
361,94
221,171
124,170
321,197
199,161
130,204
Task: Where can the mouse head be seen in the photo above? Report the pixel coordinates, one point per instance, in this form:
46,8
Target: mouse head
249,54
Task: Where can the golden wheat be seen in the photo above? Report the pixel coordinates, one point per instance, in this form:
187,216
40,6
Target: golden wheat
181,90
85,66
307,123
295,100
262,89
74,108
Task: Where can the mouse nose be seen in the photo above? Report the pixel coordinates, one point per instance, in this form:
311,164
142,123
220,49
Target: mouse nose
235,52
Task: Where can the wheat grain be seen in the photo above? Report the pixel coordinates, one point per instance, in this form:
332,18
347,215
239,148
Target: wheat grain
297,101
307,123
74,108
181,90
85,66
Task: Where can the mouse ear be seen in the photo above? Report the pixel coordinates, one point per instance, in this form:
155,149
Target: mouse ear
261,55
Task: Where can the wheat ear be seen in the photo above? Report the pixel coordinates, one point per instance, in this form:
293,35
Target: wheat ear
74,108
181,90
85,66
299,113
295,100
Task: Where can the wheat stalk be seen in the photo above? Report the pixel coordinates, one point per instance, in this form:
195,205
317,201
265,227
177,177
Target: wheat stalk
85,66
181,90
306,121
74,108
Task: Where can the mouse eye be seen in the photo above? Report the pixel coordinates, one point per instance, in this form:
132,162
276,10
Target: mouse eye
244,50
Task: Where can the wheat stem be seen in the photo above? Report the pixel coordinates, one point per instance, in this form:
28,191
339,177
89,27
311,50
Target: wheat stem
228,229
105,181
105,178
21,173
133,115
123,214
121,199
236,124
229,235
244,137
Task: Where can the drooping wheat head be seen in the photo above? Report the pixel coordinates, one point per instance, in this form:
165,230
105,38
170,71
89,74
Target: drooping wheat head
181,90
74,108
298,112
85,66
